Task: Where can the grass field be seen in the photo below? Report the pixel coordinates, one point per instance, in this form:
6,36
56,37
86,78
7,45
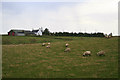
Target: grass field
24,57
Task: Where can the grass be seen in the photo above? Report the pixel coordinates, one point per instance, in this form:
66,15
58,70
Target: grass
24,57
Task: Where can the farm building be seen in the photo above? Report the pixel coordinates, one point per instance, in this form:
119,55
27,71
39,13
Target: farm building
16,33
37,32
24,32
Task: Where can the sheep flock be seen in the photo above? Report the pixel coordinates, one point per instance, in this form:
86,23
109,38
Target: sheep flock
67,49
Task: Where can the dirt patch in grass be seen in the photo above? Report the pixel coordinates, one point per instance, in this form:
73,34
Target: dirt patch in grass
85,64
42,61
101,60
49,67
33,63
65,39
56,70
14,65
22,44
41,74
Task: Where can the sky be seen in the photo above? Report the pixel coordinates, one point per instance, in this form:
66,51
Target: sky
61,16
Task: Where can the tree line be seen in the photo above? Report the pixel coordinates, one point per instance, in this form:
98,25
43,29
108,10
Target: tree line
80,34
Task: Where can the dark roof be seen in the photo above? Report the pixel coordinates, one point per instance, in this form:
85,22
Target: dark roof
19,31
35,30
23,31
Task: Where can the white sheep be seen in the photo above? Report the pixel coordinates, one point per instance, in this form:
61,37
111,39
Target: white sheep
43,44
87,53
108,36
49,43
67,50
66,44
48,46
101,53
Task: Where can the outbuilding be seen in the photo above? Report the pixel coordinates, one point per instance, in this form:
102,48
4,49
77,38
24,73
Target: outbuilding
15,32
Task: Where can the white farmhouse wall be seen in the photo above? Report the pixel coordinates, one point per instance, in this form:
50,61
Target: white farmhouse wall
39,33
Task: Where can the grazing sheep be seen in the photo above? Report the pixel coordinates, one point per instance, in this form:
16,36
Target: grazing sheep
67,50
66,44
101,53
108,36
43,44
49,43
48,46
87,53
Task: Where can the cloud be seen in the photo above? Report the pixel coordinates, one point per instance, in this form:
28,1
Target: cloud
89,16
103,15
0,16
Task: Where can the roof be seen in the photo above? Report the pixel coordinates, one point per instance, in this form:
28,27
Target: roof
19,31
24,31
35,30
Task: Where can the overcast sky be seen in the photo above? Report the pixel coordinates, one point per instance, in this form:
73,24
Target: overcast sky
83,16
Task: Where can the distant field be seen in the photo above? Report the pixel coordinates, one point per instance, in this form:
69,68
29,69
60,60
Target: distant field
24,57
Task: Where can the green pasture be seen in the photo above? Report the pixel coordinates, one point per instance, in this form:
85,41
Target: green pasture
25,57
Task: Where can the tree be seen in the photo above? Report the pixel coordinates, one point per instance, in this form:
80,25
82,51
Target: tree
46,32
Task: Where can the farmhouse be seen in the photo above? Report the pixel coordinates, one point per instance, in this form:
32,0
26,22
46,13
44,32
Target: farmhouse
37,32
15,32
